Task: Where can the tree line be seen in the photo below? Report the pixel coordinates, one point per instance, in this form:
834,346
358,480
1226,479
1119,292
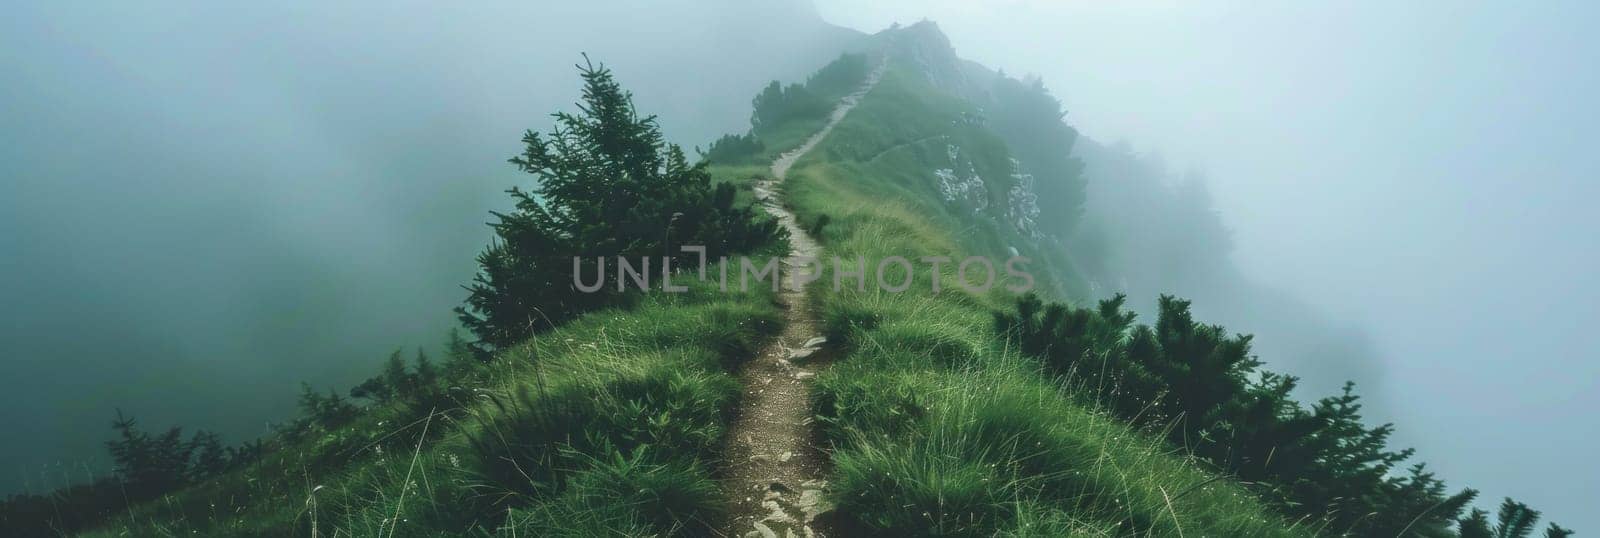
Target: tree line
777,105
150,464
1203,389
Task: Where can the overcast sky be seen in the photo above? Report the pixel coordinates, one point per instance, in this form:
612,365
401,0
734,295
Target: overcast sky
1427,171
202,206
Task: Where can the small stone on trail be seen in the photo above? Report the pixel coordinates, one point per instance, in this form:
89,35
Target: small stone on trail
815,341
762,531
776,514
812,503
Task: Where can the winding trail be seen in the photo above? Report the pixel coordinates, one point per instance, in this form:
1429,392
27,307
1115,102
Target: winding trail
774,470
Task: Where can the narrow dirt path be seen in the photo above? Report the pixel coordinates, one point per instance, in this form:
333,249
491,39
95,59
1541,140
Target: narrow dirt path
774,470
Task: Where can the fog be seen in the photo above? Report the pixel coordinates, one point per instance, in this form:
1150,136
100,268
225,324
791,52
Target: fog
203,206
1420,176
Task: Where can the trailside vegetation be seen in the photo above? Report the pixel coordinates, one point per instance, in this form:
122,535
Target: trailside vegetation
608,185
548,421
947,414
1029,118
782,116
1202,387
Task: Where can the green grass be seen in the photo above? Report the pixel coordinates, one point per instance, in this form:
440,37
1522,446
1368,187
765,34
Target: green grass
939,428
607,425
829,84
786,136
743,177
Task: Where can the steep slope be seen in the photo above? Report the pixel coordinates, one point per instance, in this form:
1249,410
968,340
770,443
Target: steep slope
365,148
1148,231
936,425
966,412
708,412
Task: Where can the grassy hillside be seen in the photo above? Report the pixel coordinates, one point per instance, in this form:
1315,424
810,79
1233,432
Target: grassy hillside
607,424
936,420
611,424
940,426
961,413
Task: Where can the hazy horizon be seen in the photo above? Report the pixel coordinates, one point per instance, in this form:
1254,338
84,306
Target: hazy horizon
1420,172
203,206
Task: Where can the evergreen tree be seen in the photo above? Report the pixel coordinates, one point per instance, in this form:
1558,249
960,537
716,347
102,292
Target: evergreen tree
1203,388
373,390
388,385
246,453
1557,531
1514,520
459,357
426,375
607,185
396,380
1475,525
734,149
130,451
777,104
768,107
325,411
210,457
1029,118
148,465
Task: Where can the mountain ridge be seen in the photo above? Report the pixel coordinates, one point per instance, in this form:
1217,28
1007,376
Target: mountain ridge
954,413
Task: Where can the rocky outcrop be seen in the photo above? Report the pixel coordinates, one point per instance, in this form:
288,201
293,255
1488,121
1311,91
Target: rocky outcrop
960,185
925,47
1022,203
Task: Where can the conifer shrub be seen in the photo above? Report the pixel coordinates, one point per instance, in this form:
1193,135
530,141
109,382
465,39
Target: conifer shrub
607,185
734,149
1202,389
